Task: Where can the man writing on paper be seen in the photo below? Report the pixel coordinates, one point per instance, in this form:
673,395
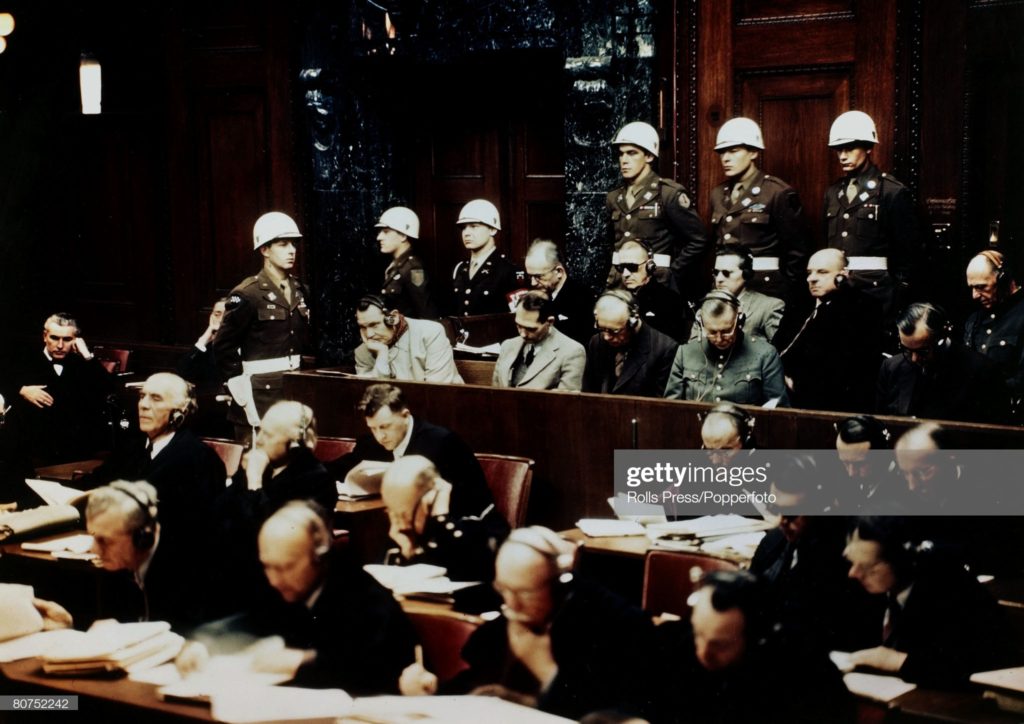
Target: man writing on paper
337,627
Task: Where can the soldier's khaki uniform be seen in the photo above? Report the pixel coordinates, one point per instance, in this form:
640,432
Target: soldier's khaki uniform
407,288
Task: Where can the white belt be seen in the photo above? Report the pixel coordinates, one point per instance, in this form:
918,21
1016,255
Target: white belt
662,260
267,366
867,263
766,263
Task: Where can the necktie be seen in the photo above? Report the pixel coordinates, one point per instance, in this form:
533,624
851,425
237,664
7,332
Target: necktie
891,621
851,191
473,267
630,196
737,193
286,290
620,361
522,364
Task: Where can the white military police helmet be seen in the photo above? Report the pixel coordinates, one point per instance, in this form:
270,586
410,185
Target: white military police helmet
401,219
272,226
480,211
852,127
739,132
640,134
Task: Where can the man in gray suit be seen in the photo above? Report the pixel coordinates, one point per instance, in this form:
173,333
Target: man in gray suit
541,357
734,267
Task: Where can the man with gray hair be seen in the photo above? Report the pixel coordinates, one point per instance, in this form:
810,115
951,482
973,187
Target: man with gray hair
151,571
430,525
725,364
571,303
59,396
186,473
934,378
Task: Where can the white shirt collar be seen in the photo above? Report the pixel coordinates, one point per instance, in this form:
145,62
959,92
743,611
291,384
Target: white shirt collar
155,446
314,597
400,450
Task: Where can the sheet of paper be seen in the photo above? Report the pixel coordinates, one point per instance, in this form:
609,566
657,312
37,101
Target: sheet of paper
709,526
448,709
79,543
491,349
876,686
240,705
37,644
54,493
742,544
599,527
1012,679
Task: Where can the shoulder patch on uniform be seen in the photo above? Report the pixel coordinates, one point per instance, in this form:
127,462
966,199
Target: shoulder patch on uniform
233,301
417,277
684,200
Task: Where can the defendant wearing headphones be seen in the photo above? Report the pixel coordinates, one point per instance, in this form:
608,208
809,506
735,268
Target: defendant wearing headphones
396,347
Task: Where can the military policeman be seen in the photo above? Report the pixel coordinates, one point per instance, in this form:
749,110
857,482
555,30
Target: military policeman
265,325
481,284
657,211
406,287
869,215
757,211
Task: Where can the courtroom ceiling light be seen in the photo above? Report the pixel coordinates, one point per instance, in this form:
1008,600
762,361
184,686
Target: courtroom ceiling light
90,78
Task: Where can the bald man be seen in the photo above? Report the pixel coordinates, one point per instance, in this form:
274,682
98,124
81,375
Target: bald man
627,356
726,429
187,474
996,329
831,344
560,643
280,467
340,628
427,529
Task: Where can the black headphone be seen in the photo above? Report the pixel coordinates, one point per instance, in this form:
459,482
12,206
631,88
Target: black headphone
143,537
546,542
998,262
721,295
746,259
305,420
629,300
374,300
744,422
840,280
310,516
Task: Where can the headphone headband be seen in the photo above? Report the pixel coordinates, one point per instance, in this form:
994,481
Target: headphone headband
145,535
627,298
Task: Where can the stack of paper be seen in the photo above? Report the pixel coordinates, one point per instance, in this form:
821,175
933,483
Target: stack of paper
243,705
111,646
447,709
363,481
54,493
1005,686
876,686
76,547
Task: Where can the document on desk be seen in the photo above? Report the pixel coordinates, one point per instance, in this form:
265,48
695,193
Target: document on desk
876,687
363,481
491,350
708,526
77,543
225,672
266,704
417,578
35,644
605,527
54,493
448,709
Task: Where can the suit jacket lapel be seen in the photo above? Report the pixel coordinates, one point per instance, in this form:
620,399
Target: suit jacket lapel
543,355
635,361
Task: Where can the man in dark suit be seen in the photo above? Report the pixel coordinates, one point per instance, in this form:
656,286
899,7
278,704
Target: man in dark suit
280,468
341,628
59,397
187,474
831,348
395,433
627,356
934,378
154,578
572,304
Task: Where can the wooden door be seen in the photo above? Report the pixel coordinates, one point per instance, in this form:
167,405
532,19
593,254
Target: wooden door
491,130
791,65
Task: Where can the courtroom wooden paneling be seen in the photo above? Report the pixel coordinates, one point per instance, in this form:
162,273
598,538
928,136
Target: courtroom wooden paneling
573,436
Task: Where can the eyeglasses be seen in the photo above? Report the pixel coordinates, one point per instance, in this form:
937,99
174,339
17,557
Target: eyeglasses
611,332
541,275
631,267
724,273
724,333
